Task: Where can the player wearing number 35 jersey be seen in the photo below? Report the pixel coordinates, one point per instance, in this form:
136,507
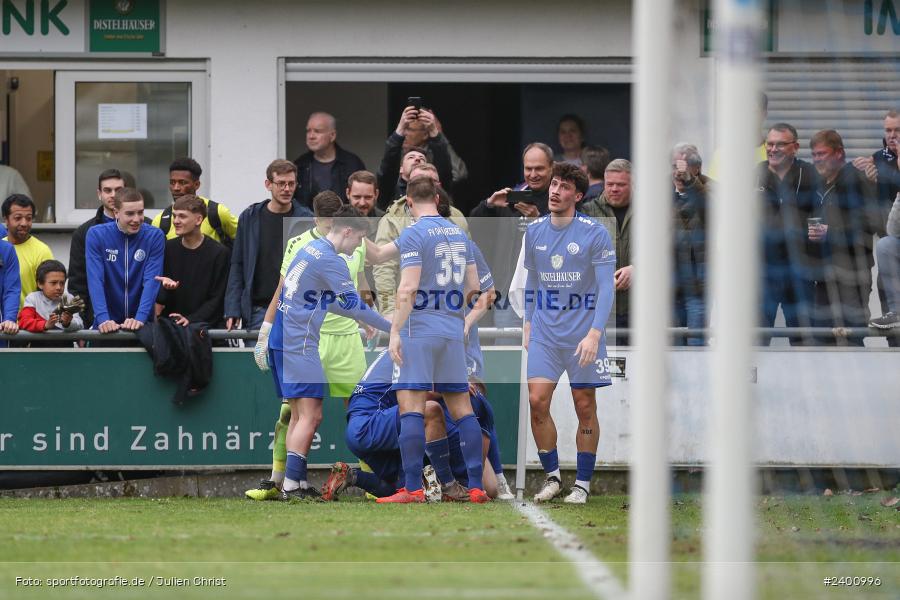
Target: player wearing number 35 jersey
570,260
437,270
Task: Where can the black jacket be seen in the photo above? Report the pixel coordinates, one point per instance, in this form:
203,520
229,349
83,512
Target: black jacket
389,182
787,204
181,353
849,207
238,293
78,284
345,164
888,178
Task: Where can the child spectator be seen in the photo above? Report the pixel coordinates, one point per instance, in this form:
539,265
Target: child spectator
42,308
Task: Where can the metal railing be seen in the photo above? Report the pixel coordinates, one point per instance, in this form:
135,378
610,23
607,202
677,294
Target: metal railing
492,333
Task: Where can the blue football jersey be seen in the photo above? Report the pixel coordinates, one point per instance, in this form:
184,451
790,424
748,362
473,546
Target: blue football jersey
474,356
315,281
563,260
443,251
373,392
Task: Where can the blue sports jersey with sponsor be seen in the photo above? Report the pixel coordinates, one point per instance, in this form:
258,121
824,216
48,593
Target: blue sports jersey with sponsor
373,392
443,251
316,281
474,356
564,259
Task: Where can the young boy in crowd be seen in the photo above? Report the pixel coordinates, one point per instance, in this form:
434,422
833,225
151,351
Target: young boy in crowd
42,307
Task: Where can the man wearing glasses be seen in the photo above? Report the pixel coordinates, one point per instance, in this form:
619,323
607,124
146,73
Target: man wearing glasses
259,246
788,188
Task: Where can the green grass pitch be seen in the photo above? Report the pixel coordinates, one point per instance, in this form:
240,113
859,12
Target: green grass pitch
356,549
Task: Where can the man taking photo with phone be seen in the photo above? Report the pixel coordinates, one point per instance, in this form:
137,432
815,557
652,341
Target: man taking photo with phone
399,159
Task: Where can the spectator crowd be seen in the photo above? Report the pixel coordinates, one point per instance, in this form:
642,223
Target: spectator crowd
825,224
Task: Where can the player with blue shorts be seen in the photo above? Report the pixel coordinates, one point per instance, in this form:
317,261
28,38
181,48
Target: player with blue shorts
317,281
373,435
427,343
570,260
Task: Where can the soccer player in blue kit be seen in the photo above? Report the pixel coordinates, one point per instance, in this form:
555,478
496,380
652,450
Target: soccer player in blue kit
437,272
372,434
570,260
317,281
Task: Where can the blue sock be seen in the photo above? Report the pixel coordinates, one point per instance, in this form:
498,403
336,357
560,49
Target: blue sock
585,462
470,444
494,454
295,467
373,484
412,448
549,460
438,452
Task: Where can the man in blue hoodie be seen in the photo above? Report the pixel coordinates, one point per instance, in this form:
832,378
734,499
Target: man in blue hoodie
124,258
10,289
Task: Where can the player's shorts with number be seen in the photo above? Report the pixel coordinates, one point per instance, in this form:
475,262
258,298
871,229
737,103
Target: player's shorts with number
344,362
432,359
297,375
549,362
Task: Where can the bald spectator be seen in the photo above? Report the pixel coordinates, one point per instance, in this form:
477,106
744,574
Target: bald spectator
326,166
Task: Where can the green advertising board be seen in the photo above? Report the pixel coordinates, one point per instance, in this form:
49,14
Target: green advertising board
125,26
75,409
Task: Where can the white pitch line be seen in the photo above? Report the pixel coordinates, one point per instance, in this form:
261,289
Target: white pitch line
594,573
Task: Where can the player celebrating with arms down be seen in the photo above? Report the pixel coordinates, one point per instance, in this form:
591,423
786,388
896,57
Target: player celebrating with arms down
570,261
316,282
427,337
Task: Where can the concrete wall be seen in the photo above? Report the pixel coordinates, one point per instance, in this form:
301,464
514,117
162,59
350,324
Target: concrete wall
813,407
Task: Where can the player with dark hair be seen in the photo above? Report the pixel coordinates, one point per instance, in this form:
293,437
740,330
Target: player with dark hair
340,347
427,338
317,281
570,261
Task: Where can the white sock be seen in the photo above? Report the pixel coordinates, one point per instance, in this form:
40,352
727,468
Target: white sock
277,477
586,485
303,485
555,474
290,485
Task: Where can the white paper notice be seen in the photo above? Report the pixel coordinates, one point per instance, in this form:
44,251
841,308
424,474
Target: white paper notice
122,121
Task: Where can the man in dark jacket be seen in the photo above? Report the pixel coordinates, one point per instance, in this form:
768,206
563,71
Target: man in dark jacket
844,230
690,243
788,189
326,166
883,168
110,182
259,245
398,160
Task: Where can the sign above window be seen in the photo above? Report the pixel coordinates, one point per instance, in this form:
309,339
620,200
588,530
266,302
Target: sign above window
81,26
125,26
